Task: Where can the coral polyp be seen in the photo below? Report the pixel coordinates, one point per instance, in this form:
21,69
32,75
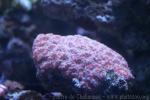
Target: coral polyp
84,62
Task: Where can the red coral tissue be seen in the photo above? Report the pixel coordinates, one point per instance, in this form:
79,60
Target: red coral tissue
83,60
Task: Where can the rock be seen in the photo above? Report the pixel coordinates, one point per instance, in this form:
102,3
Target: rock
24,95
13,85
91,14
3,90
18,53
127,21
79,64
53,95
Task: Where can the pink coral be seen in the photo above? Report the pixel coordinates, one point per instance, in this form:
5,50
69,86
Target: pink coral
82,59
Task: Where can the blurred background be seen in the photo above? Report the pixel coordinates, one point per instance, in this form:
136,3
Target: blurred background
123,25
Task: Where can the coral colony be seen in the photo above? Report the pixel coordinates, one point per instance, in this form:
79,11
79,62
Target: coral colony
86,63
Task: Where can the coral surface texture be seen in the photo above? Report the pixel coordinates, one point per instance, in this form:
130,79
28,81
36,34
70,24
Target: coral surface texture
86,63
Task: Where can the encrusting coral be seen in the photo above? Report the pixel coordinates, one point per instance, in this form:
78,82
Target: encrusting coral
83,62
